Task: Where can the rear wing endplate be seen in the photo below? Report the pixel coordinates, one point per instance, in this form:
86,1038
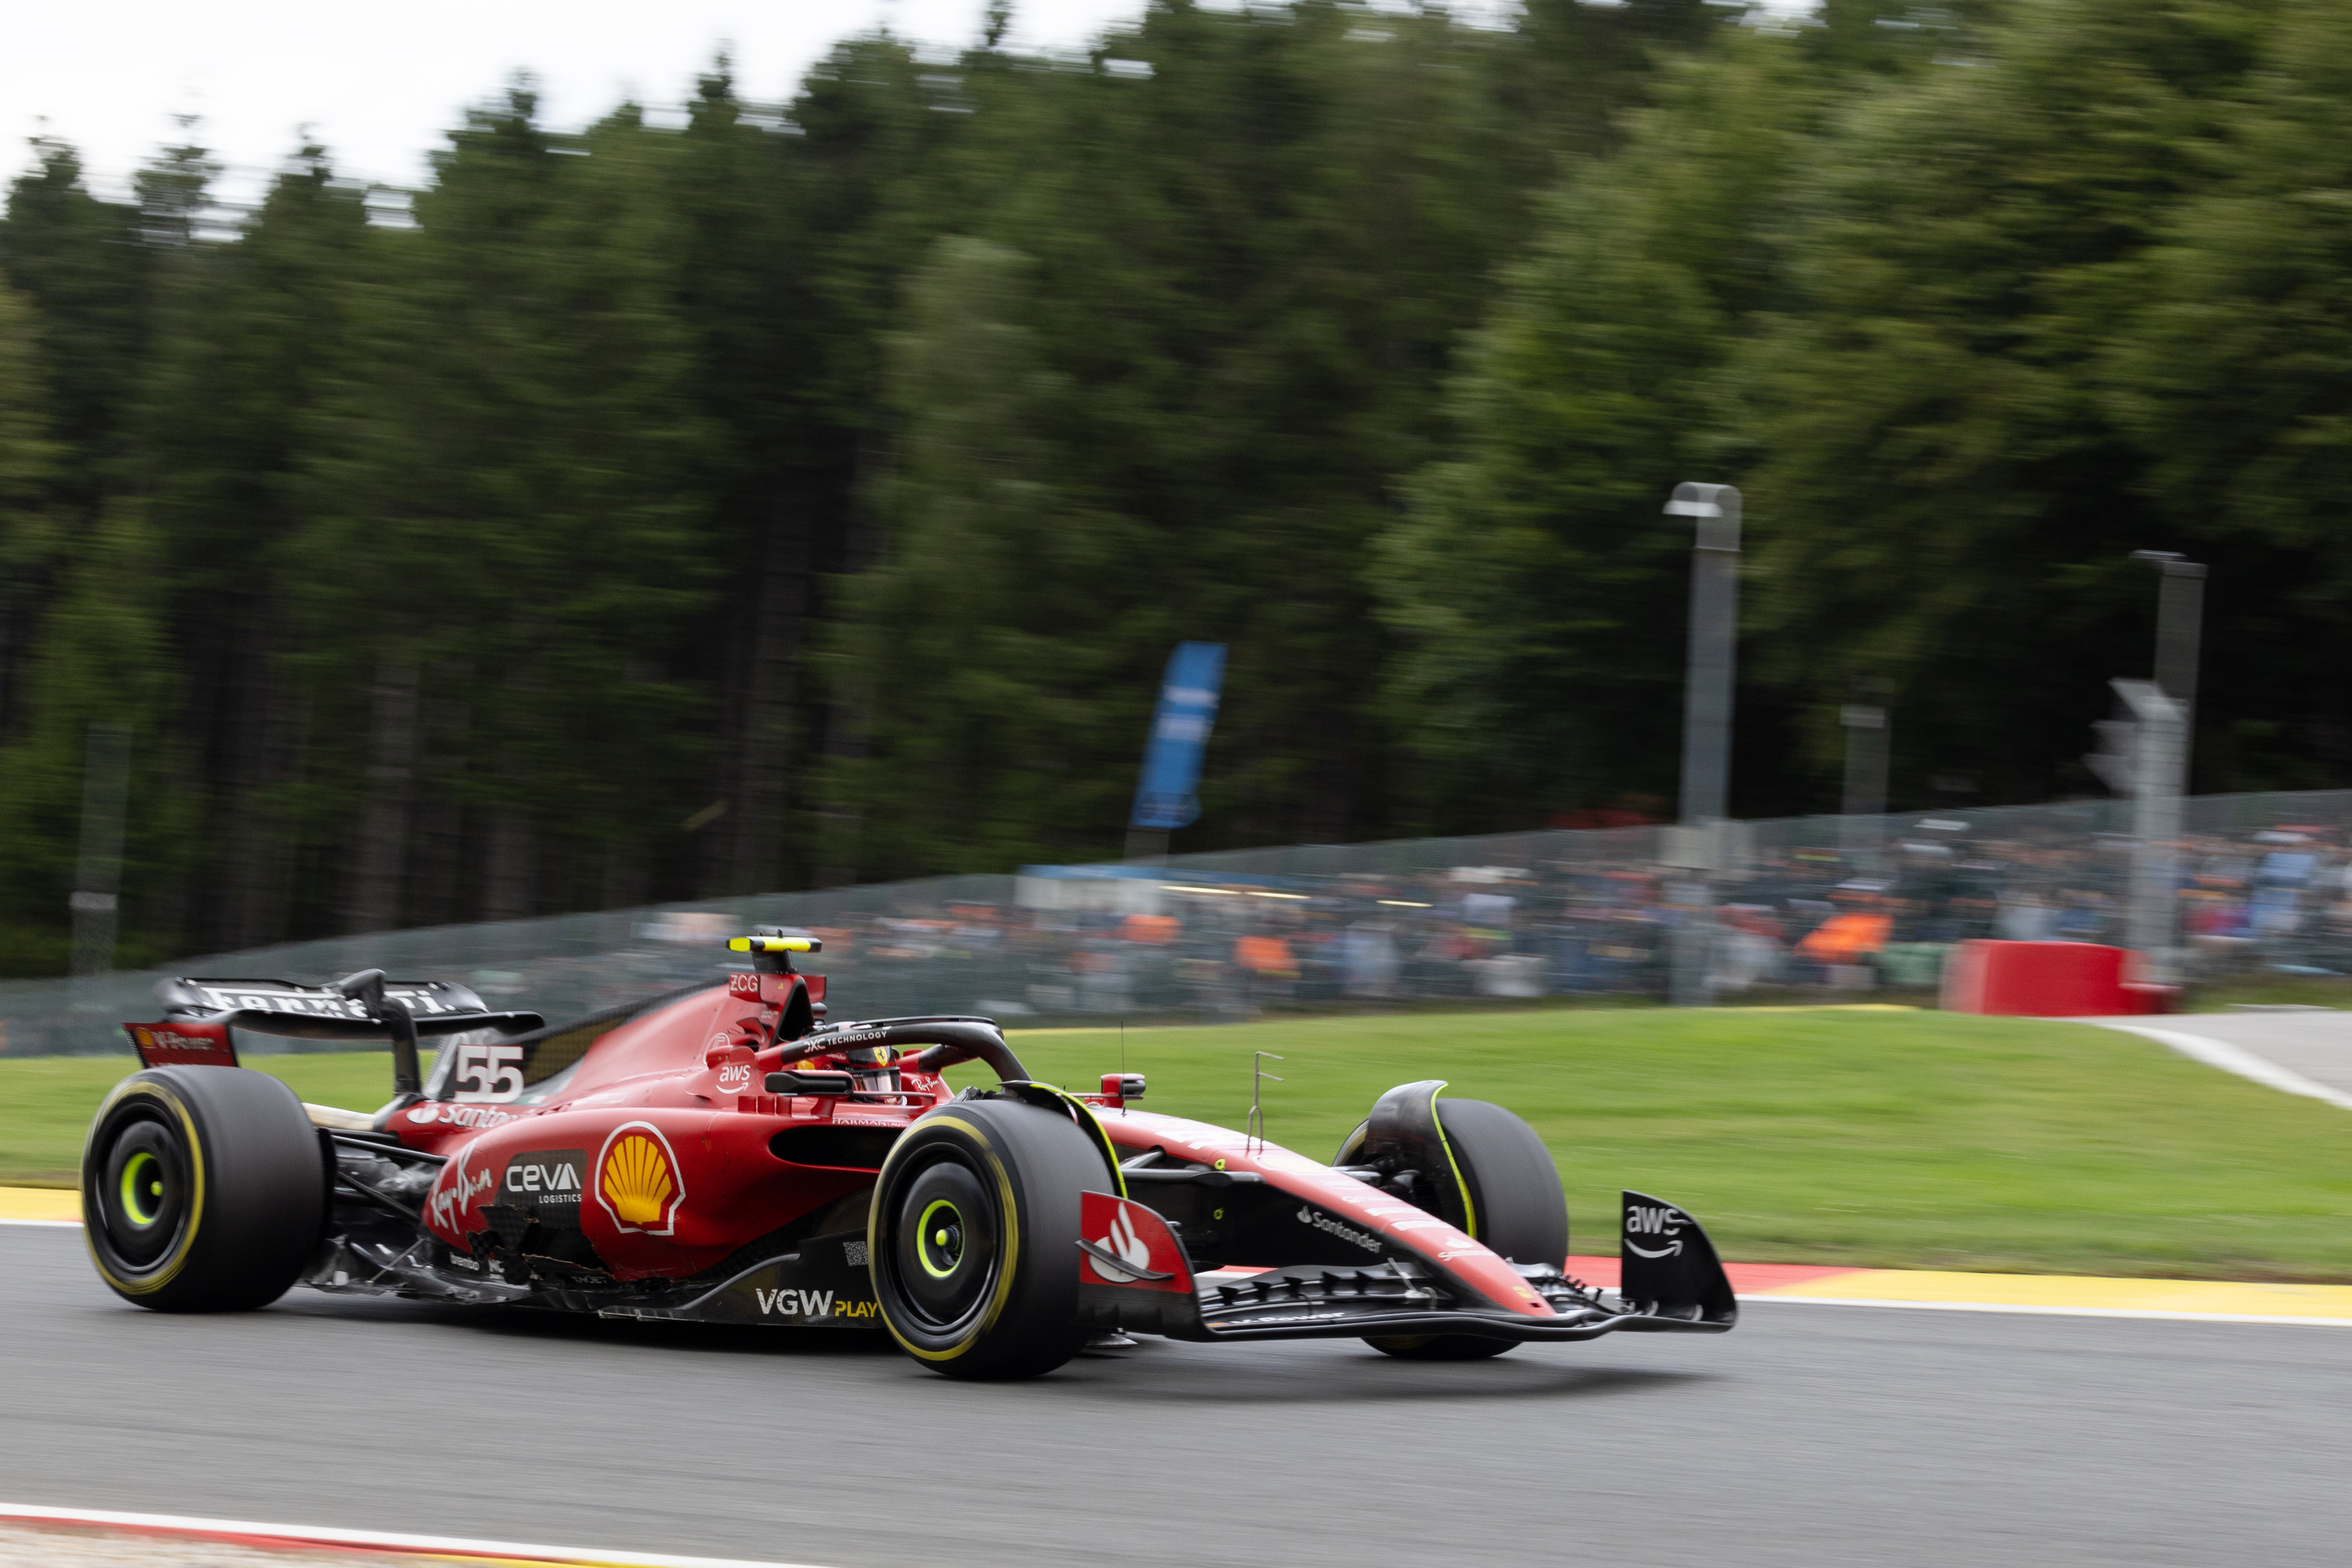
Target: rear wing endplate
201,1015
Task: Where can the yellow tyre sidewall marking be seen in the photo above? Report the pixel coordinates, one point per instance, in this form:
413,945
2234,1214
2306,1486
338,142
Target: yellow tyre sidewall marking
1091,1124
1012,1254
129,1089
1469,1209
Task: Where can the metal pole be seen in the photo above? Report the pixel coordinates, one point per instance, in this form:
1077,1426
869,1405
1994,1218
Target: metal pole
2166,744
2180,632
98,876
1706,715
1714,626
2159,728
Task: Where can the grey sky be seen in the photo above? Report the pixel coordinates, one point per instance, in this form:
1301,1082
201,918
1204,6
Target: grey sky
379,83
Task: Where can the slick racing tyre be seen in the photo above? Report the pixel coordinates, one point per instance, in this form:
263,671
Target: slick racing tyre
1515,1205
203,1189
972,1238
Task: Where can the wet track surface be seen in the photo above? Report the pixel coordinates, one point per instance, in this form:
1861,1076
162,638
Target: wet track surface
1812,1434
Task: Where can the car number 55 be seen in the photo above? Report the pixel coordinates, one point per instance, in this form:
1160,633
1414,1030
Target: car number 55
495,1073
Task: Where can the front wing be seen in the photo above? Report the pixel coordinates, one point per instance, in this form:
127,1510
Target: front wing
1137,1278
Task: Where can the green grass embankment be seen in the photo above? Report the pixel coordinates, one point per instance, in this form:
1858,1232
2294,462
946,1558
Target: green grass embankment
45,1102
1892,1139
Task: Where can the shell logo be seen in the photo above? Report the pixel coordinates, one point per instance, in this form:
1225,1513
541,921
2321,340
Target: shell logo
637,1180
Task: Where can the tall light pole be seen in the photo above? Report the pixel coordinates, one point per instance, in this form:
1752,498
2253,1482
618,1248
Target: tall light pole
2165,714
2179,627
1714,630
2149,763
1706,716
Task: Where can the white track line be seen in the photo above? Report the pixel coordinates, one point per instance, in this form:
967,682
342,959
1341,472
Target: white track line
2240,1060
377,1540
59,1224
2060,1311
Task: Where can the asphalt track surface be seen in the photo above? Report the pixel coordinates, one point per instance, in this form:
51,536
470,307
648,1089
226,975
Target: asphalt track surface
1812,1434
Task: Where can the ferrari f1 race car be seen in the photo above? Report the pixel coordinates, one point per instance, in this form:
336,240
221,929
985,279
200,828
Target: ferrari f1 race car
723,1154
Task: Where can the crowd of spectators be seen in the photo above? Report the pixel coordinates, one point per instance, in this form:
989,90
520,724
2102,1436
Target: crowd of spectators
1797,905
1828,918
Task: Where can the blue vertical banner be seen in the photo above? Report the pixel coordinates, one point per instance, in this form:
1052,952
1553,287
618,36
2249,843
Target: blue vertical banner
1165,796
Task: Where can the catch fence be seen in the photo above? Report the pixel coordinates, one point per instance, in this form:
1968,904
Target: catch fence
1841,904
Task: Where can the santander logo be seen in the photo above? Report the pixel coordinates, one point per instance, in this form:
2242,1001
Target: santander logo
1124,1244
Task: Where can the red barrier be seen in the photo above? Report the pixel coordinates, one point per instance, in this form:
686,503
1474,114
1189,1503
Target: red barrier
2047,980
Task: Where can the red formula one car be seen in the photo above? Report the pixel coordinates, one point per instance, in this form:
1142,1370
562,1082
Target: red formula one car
722,1155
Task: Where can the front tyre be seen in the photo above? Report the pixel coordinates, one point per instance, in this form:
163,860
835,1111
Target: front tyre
1513,1203
972,1238
203,1189
1438,1347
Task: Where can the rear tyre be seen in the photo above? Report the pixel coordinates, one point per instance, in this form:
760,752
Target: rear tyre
972,1239
203,1189
1515,1208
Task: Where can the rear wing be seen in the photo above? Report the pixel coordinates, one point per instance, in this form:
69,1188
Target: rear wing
201,1015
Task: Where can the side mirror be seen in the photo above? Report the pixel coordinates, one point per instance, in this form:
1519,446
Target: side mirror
1122,1086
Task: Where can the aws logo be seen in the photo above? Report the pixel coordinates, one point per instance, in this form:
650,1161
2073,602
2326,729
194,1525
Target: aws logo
637,1180
1642,1220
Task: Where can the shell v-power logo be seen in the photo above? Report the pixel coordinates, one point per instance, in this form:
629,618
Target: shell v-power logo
637,1180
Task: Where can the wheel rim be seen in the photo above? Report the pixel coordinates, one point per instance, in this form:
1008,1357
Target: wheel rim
143,1186
943,1250
938,1239
142,1192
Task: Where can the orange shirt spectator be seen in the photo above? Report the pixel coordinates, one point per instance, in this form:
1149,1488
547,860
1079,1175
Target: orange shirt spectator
1157,929
1847,938
1265,955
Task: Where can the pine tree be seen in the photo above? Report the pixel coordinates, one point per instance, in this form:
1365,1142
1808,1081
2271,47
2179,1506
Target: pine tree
1246,242
507,542
984,625
1943,499
1539,587
2236,377
28,460
248,337
81,263
100,655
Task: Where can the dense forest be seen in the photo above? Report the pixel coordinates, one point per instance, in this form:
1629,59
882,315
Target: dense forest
811,492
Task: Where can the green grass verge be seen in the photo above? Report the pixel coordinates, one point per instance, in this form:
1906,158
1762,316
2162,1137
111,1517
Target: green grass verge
45,1102
1892,1139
